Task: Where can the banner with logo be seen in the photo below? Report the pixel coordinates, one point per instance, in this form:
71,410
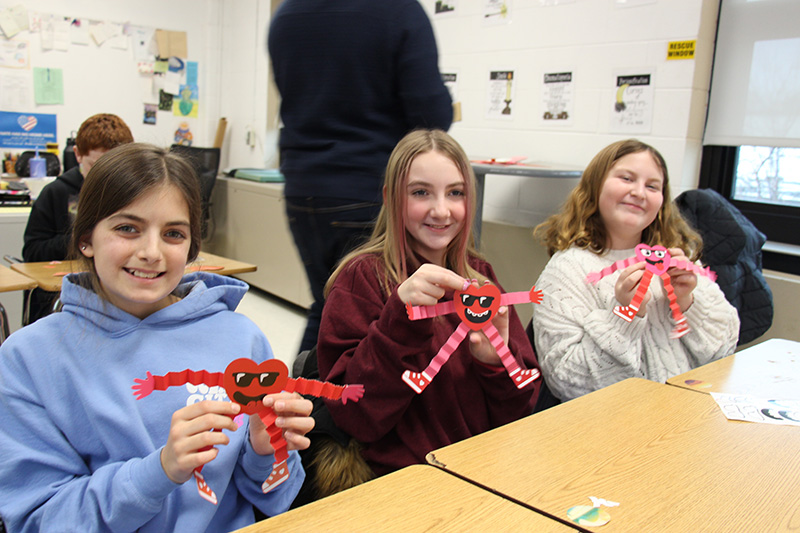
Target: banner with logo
27,131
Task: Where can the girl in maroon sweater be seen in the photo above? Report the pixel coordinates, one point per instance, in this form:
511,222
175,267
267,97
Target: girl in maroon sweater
422,249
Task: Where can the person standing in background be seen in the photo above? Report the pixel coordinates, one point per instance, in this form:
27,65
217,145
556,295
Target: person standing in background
354,76
50,222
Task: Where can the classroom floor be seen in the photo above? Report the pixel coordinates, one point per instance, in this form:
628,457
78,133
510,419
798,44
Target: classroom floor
282,322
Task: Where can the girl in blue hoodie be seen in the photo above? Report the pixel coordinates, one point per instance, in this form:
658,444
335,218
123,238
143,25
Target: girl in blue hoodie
80,453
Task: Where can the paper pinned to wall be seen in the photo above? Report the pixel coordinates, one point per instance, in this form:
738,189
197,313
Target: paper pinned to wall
15,54
171,43
16,91
48,86
144,48
79,32
14,20
55,33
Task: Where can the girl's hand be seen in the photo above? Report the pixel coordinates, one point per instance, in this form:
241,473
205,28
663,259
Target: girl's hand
293,418
191,442
627,283
683,281
479,345
428,284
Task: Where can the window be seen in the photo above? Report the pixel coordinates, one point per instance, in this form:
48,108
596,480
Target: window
768,174
751,151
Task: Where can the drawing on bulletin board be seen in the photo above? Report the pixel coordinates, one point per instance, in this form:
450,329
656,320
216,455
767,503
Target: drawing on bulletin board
164,100
632,111
186,105
14,54
150,111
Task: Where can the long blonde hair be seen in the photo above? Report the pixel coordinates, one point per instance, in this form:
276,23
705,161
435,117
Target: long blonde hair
389,238
579,222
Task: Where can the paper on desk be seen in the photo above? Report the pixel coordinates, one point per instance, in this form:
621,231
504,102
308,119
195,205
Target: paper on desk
752,409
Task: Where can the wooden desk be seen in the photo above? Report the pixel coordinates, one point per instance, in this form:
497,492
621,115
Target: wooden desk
14,281
11,281
43,273
668,456
770,369
417,498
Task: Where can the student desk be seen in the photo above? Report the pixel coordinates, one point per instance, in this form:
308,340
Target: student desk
11,281
417,498
667,455
43,273
770,369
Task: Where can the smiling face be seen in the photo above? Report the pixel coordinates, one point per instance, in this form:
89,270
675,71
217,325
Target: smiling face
140,252
657,258
630,198
435,205
476,306
247,382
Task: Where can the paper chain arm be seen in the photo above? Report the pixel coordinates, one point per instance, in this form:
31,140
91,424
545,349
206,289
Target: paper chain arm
521,297
691,267
417,312
475,306
594,277
323,389
143,387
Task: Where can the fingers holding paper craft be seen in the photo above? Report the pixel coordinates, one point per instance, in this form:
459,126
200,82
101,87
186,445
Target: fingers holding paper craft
477,307
253,389
657,261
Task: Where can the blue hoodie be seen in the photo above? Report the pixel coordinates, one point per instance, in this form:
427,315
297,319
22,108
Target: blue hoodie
80,453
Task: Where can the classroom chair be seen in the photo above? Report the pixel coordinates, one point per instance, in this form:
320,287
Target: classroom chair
205,162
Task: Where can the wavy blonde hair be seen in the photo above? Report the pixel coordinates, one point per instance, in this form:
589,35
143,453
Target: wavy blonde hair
579,222
389,238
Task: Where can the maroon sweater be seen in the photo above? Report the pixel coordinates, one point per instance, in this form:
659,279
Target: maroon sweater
367,337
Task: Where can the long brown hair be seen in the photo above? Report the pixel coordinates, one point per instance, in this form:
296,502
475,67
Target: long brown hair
579,222
118,179
389,238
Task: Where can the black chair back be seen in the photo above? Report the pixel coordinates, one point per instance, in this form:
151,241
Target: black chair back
206,163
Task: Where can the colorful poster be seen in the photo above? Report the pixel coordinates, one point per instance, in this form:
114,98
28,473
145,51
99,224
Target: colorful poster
26,130
186,104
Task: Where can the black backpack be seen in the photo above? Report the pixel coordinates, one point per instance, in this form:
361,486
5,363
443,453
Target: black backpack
23,169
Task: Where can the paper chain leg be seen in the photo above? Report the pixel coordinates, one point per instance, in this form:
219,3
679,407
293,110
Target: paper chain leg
419,380
521,377
627,312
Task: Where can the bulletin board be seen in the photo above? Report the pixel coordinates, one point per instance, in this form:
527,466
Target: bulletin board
143,61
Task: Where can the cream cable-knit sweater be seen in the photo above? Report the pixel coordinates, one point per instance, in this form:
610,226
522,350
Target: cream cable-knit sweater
583,346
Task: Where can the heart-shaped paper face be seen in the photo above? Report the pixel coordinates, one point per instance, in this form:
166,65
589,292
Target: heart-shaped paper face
656,257
247,382
477,305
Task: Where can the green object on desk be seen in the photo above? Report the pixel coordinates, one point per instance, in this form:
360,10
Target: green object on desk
259,174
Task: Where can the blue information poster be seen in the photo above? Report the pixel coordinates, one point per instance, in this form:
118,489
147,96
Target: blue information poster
26,130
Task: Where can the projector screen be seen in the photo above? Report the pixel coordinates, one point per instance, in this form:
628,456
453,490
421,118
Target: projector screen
755,87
